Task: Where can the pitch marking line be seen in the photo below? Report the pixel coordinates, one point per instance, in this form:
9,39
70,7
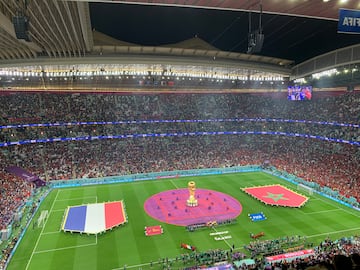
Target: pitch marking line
335,232
172,182
65,248
335,205
57,210
135,266
226,242
45,233
74,188
95,186
42,230
324,211
63,209
78,198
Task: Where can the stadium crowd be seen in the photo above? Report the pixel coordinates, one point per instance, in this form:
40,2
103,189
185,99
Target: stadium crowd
13,193
334,165
60,108
17,108
274,246
340,254
329,164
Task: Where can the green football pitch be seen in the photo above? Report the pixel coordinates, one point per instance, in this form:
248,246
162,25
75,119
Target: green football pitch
49,248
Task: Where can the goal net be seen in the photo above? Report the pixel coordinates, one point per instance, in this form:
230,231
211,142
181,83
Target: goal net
42,218
308,190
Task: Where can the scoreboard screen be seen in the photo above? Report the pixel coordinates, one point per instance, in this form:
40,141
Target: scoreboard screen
299,92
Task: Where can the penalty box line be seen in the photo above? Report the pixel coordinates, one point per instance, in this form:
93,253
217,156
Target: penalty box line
69,247
55,232
73,199
77,198
42,230
63,209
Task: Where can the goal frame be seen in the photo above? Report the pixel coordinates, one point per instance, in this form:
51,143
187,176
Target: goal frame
304,188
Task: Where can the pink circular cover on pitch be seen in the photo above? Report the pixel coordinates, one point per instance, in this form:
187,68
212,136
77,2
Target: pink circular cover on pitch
170,207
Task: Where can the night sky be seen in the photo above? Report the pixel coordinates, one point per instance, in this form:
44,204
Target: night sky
292,38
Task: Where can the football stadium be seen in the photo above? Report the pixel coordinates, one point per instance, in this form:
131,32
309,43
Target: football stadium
123,147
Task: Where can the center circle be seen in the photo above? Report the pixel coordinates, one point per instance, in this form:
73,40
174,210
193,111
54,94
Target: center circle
171,207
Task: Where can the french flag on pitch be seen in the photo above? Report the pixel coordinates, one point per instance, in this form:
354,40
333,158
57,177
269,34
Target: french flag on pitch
94,218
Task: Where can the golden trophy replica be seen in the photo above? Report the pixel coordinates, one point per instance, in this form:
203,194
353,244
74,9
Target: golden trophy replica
192,201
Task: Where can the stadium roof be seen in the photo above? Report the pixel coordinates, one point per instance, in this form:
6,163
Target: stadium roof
297,38
64,28
68,33
55,29
323,9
